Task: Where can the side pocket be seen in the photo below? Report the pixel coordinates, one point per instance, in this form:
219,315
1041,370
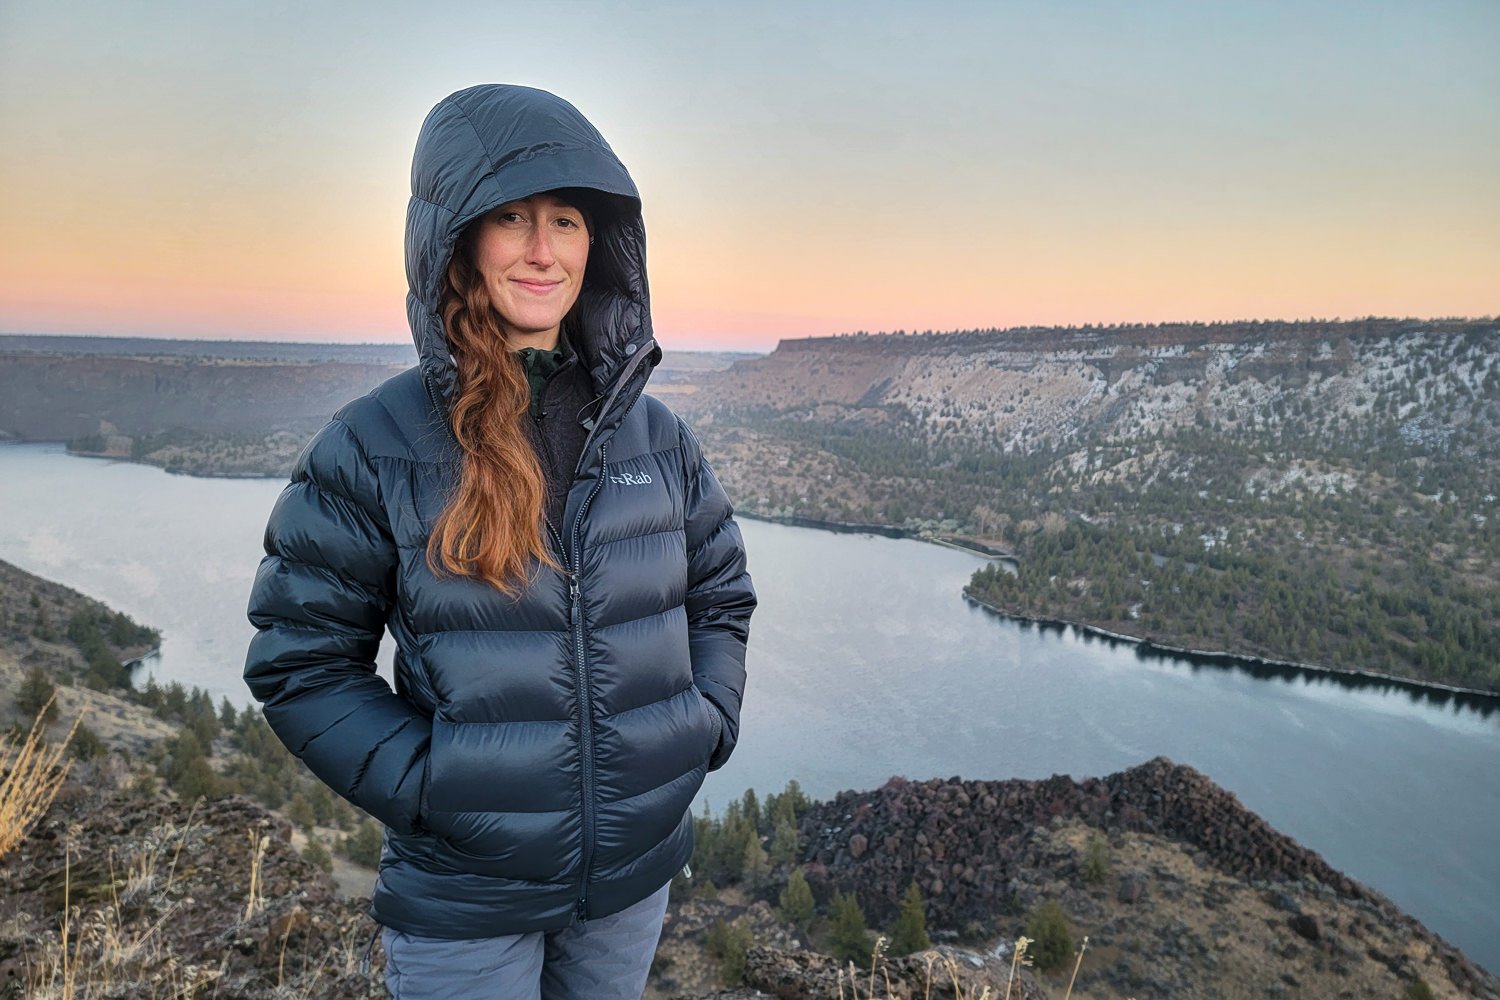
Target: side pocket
715,722
423,809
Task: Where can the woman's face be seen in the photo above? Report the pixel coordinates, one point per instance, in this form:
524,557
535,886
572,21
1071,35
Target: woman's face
532,253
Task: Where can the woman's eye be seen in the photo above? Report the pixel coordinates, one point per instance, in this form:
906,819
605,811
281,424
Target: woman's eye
567,222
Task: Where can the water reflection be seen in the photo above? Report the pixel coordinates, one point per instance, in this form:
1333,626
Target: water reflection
1485,706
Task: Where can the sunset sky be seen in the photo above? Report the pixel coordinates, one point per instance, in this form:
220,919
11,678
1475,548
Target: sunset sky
220,170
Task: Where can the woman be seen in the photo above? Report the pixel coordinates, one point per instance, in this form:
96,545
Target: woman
554,558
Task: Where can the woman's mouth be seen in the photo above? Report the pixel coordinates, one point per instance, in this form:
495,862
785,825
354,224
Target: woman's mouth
537,287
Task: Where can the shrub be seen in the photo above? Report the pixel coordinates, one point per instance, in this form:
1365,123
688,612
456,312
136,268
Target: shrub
363,845
186,770
316,854
1052,942
86,743
36,694
1096,859
728,943
142,784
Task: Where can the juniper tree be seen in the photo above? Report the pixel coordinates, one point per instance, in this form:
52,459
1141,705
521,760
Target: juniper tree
1052,942
848,936
909,933
796,901
36,691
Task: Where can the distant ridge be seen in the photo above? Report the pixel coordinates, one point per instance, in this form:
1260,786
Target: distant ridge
1140,334
248,350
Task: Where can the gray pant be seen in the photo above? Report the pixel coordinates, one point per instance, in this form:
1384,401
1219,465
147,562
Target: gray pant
606,958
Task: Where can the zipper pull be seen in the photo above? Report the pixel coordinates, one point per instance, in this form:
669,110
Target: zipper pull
573,600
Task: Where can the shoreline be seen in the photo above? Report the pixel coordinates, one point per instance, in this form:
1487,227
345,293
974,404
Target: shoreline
978,549
1246,660
1145,645
884,530
128,460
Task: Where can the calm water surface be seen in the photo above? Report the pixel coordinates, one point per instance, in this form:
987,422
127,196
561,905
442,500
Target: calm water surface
865,663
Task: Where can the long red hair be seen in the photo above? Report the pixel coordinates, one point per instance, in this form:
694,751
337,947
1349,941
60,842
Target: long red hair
491,526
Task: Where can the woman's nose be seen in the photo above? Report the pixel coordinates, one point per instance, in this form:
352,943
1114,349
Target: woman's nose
539,247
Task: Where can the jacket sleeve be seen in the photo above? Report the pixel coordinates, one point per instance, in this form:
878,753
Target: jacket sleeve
319,604
720,597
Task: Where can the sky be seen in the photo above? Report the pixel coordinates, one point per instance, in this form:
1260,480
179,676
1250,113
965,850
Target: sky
241,170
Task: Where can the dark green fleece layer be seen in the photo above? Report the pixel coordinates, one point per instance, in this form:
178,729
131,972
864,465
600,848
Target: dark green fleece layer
539,364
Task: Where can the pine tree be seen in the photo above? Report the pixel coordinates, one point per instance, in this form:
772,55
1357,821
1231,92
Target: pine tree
755,867
909,933
300,812
784,847
796,901
751,809
848,937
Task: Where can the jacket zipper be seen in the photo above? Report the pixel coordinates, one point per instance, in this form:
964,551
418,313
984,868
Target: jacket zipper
575,617
620,382
585,700
442,411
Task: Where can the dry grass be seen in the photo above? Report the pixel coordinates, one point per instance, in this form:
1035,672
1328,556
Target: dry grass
34,771
258,845
940,965
99,952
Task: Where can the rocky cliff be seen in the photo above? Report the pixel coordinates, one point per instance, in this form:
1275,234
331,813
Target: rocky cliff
1023,389
58,397
1338,480
1195,895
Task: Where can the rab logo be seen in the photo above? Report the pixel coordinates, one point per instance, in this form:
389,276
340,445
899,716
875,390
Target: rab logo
631,479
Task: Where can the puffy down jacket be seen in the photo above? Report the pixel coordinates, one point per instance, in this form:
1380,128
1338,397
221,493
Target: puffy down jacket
537,761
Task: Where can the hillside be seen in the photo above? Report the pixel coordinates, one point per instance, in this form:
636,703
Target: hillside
160,872
1318,492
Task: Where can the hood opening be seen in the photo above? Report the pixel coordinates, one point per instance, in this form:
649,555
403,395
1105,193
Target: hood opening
486,145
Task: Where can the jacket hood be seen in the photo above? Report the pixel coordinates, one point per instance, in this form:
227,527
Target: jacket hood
486,145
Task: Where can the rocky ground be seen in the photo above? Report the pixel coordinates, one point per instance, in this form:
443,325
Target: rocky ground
122,890
115,895
1196,895
141,895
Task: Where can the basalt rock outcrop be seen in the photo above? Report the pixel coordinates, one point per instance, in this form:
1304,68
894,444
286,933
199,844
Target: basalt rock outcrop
985,852
959,840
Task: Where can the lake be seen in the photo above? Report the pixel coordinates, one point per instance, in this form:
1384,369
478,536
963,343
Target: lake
866,662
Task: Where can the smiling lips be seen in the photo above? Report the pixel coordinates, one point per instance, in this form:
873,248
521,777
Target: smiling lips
537,287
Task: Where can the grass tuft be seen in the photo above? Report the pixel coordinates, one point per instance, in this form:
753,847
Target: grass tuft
34,771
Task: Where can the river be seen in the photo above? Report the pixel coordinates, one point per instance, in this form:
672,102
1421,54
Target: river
865,662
